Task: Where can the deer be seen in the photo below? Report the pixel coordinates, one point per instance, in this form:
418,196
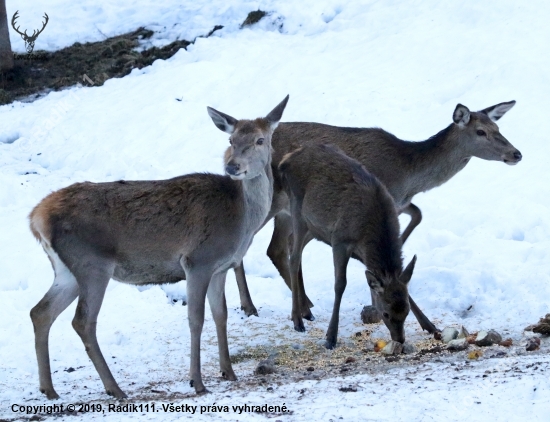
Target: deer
334,199
405,168
193,227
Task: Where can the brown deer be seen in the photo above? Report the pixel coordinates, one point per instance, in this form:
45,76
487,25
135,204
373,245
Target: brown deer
194,227
335,200
405,168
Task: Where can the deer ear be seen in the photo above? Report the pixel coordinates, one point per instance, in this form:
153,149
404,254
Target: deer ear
408,272
223,122
374,282
461,115
275,115
497,111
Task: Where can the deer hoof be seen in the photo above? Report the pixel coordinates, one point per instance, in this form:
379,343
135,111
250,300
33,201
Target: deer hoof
199,389
229,375
330,344
300,327
249,310
50,393
117,393
309,316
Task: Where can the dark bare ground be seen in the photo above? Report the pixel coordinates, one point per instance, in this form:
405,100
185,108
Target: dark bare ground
253,17
99,61
112,58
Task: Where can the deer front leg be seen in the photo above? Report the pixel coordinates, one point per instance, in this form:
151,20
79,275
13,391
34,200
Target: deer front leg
341,258
416,217
246,301
278,250
218,306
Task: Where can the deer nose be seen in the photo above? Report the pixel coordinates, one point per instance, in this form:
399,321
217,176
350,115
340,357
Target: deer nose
232,169
517,155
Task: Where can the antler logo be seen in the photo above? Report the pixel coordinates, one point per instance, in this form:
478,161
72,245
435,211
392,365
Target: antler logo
29,40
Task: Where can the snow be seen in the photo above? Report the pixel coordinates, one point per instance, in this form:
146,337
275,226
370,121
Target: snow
483,247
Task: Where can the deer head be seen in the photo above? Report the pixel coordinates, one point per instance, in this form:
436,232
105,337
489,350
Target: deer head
393,299
250,140
480,134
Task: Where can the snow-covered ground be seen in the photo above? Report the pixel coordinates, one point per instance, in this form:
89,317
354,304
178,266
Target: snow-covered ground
483,246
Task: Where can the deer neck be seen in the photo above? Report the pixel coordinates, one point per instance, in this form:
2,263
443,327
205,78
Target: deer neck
258,194
436,160
380,248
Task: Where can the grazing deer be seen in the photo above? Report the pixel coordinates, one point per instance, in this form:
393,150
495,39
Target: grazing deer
335,200
192,227
405,168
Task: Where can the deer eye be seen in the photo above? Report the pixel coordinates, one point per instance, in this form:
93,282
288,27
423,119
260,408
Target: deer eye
260,141
481,133
386,315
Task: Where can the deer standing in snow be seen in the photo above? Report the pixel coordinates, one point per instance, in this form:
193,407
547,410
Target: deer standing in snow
405,168
335,200
194,227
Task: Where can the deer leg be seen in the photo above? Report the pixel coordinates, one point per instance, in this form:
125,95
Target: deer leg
422,319
218,306
299,234
416,217
246,301
197,286
92,282
62,293
304,301
341,257
278,250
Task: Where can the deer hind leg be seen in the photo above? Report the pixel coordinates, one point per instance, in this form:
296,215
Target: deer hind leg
197,286
300,231
416,217
93,279
341,256
422,319
278,250
218,306
305,303
246,301
62,293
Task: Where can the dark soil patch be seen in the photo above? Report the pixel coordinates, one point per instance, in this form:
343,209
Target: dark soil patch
112,58
253,17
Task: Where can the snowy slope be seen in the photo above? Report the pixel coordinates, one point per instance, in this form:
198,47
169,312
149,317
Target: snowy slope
485,238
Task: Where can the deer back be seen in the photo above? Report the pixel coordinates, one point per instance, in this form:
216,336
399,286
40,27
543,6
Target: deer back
407,168
341,201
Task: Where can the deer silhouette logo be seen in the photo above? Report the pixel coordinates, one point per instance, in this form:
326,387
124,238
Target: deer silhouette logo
29,39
